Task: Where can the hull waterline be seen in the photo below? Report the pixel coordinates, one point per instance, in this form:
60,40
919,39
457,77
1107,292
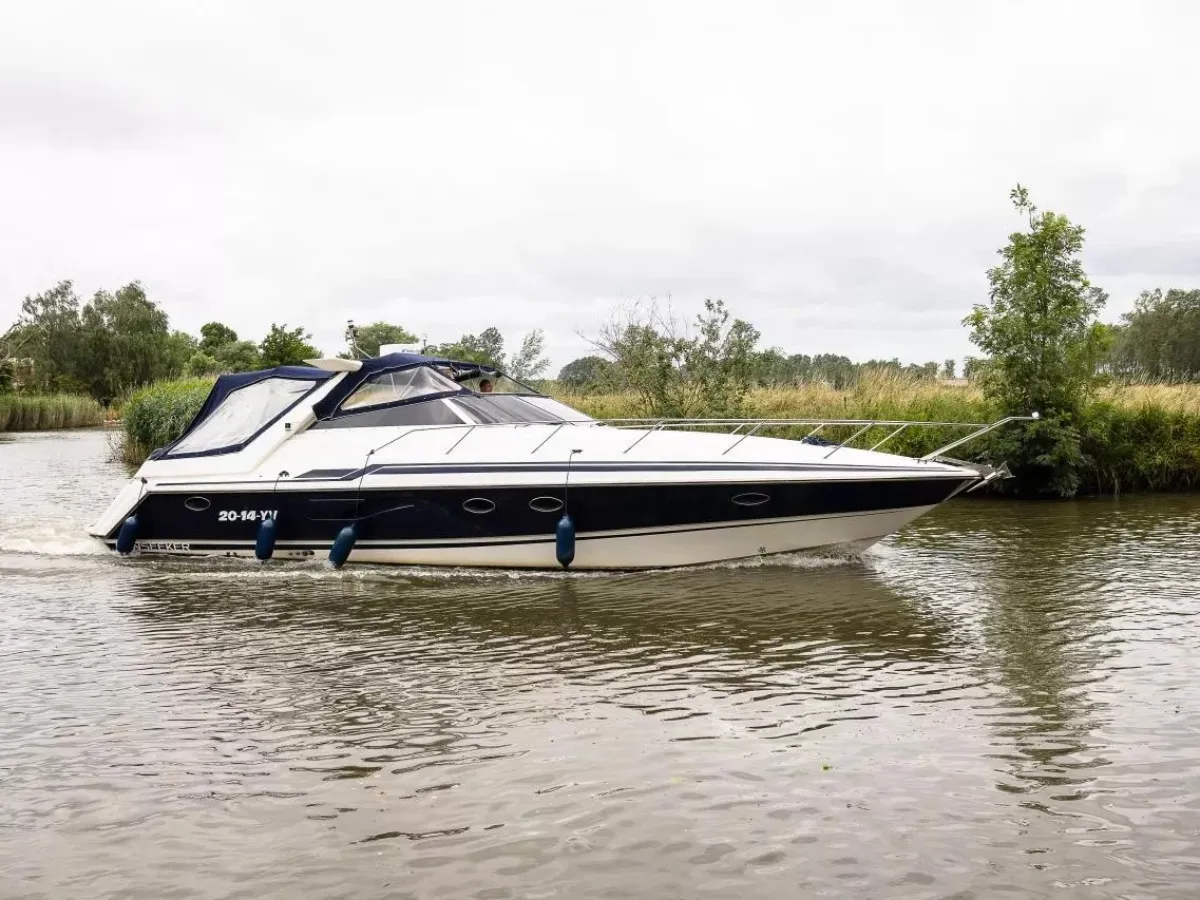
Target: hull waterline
612,551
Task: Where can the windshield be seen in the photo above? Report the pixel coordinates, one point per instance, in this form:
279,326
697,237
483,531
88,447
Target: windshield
242,414
561,410
491,383
392,387
486,409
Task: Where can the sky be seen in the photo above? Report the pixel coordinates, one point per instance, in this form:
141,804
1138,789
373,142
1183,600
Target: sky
838,173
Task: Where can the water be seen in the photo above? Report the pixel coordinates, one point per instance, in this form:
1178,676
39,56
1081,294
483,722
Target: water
1000,701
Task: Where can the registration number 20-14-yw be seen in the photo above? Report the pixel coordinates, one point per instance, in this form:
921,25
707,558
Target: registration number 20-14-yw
245,515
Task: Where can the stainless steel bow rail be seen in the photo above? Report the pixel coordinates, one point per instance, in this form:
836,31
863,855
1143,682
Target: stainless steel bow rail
740,429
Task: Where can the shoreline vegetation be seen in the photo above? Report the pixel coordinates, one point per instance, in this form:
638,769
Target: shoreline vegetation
46,412
1135,438
1118,402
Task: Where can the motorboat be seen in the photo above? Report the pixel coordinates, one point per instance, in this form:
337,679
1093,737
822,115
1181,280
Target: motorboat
413,460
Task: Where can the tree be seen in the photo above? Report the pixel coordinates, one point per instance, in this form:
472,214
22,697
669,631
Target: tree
215,335
51,330
286,347
201,364
588,373
370,338
528,363
126,342
487,348
12,345
1041,333
1160,339
181,346
972,366
674,373
948,369
237,356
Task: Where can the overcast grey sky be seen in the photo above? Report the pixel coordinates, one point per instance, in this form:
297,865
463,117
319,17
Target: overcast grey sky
837,172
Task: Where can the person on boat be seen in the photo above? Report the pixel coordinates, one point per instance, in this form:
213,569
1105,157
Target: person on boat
485,387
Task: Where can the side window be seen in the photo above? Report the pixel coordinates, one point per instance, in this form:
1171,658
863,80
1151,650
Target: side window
392,387
242,414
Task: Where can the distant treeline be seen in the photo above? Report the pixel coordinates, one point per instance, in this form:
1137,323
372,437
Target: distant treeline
117,341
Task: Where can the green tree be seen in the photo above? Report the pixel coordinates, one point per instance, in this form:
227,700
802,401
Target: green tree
487,347
52,333
286,347
126,342
1041,334
237,356
588,373
1160,339
181,346
948,369
201,364
528,363
215,335
675,374
370,338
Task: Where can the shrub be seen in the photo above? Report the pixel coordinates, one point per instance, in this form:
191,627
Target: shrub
158,414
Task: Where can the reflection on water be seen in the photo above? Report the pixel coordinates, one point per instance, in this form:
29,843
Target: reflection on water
998,699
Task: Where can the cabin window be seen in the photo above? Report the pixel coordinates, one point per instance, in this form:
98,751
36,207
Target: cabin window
393,387
242,414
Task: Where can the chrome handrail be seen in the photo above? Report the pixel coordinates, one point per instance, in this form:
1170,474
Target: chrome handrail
651,426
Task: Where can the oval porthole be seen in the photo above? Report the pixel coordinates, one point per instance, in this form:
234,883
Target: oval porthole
197,504
545,504
479,505
751,499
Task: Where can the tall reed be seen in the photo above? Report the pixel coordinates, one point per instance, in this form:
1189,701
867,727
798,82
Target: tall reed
44,412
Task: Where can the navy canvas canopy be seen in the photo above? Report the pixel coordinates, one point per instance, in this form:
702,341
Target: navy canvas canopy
227,384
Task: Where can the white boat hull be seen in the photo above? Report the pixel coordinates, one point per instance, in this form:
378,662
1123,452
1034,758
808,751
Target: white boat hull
686,546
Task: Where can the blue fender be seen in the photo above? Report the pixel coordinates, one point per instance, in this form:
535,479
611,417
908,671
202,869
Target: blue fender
264,544
564,541
127,536
342,545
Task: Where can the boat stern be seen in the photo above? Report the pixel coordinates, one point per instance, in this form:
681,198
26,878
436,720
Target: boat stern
121,508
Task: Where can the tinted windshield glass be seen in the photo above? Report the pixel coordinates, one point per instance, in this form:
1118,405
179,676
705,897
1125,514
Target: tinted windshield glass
491,383
434,412
559,409
489,408
390,387
242,414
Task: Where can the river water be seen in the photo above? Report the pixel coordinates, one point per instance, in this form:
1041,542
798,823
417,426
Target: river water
999,701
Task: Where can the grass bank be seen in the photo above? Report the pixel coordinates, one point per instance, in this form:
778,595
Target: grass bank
44,412
1134,438
1138,438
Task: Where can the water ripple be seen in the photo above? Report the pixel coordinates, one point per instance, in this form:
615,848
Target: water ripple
998,700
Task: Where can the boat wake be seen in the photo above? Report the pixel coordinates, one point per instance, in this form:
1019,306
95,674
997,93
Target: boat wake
49,540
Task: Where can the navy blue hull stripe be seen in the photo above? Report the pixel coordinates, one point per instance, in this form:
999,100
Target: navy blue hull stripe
511,512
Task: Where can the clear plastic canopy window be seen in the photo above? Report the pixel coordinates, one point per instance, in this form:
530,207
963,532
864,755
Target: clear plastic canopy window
242,414
391,387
